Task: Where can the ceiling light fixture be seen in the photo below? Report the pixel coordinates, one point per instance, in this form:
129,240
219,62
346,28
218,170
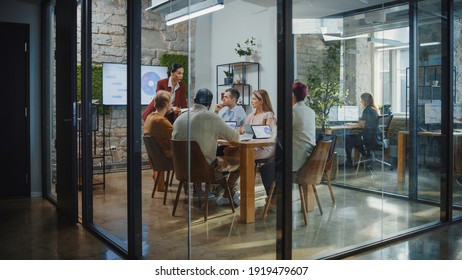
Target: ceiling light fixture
155,4
194,11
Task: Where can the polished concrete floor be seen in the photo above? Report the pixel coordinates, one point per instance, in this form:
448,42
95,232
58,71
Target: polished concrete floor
32,228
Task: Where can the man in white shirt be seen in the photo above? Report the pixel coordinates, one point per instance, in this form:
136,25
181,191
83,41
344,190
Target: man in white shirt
303,136
228,109
205,126
303,126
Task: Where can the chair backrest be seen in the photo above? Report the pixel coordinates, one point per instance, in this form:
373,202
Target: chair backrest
159,161
200,170
383,123
312,170
328,137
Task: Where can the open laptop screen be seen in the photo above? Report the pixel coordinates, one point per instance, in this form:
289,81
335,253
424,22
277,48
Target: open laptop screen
261,131
231,124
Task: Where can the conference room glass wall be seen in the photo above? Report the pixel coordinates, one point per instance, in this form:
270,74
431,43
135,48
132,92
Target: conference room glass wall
396,51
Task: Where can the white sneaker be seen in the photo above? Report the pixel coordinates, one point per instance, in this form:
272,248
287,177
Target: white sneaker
221,201
237,199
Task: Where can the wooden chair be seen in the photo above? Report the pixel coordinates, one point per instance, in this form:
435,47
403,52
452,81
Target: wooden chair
199,170
159,163
330,160
311,173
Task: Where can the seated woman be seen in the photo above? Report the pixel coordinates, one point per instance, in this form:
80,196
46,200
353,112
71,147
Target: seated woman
367,133
263,115
158,126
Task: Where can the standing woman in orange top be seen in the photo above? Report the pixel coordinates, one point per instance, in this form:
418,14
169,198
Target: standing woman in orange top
176,87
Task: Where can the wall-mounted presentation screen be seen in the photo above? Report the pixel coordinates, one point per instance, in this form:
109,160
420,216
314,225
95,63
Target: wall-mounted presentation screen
115,83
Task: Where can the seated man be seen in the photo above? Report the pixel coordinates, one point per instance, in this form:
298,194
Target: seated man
233,112
228,110
205,126
303,126
303,136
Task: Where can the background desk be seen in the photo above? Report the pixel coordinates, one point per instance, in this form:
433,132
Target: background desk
247,170
402,139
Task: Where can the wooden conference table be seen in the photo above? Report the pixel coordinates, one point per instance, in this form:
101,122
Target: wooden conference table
247,170
402,139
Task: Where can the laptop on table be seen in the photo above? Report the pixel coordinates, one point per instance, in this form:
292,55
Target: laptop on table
261,131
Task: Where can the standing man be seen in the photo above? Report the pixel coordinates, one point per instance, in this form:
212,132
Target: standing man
232,112
205,127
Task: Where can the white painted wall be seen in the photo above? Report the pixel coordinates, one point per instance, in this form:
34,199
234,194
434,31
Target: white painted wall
236,22
29,13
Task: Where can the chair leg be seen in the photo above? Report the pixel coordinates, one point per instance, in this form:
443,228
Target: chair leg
206,207
166,186
329,185
268,200
317,198
155,185
358,164
230,197
171,178
198,190
177,198
302,201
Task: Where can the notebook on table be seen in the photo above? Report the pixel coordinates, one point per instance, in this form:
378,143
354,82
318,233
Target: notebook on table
248,133
261,131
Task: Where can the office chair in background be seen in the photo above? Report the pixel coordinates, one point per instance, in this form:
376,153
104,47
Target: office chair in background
381,142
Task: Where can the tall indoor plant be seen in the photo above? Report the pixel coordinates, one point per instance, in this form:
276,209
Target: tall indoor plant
324,85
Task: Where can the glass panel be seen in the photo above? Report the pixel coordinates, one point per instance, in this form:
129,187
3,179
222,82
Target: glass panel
109,120
50,111
209,44
457,122
427,184
366,46
164,55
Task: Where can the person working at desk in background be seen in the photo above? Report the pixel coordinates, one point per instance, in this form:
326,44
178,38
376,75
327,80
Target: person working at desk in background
205,126
367,132
176,87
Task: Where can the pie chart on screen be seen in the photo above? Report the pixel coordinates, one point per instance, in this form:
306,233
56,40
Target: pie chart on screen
149,83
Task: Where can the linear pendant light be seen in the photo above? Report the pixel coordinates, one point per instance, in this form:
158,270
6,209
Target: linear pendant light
155,4
193,11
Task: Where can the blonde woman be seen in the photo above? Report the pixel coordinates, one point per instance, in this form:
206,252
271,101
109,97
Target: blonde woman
263,115
157,125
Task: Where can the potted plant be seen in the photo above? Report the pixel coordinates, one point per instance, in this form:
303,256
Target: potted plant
246,49
229,76
324,84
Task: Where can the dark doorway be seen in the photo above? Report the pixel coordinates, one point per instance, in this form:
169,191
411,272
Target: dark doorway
14,81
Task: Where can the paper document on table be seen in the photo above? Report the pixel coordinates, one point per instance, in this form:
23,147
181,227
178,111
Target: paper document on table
245,137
